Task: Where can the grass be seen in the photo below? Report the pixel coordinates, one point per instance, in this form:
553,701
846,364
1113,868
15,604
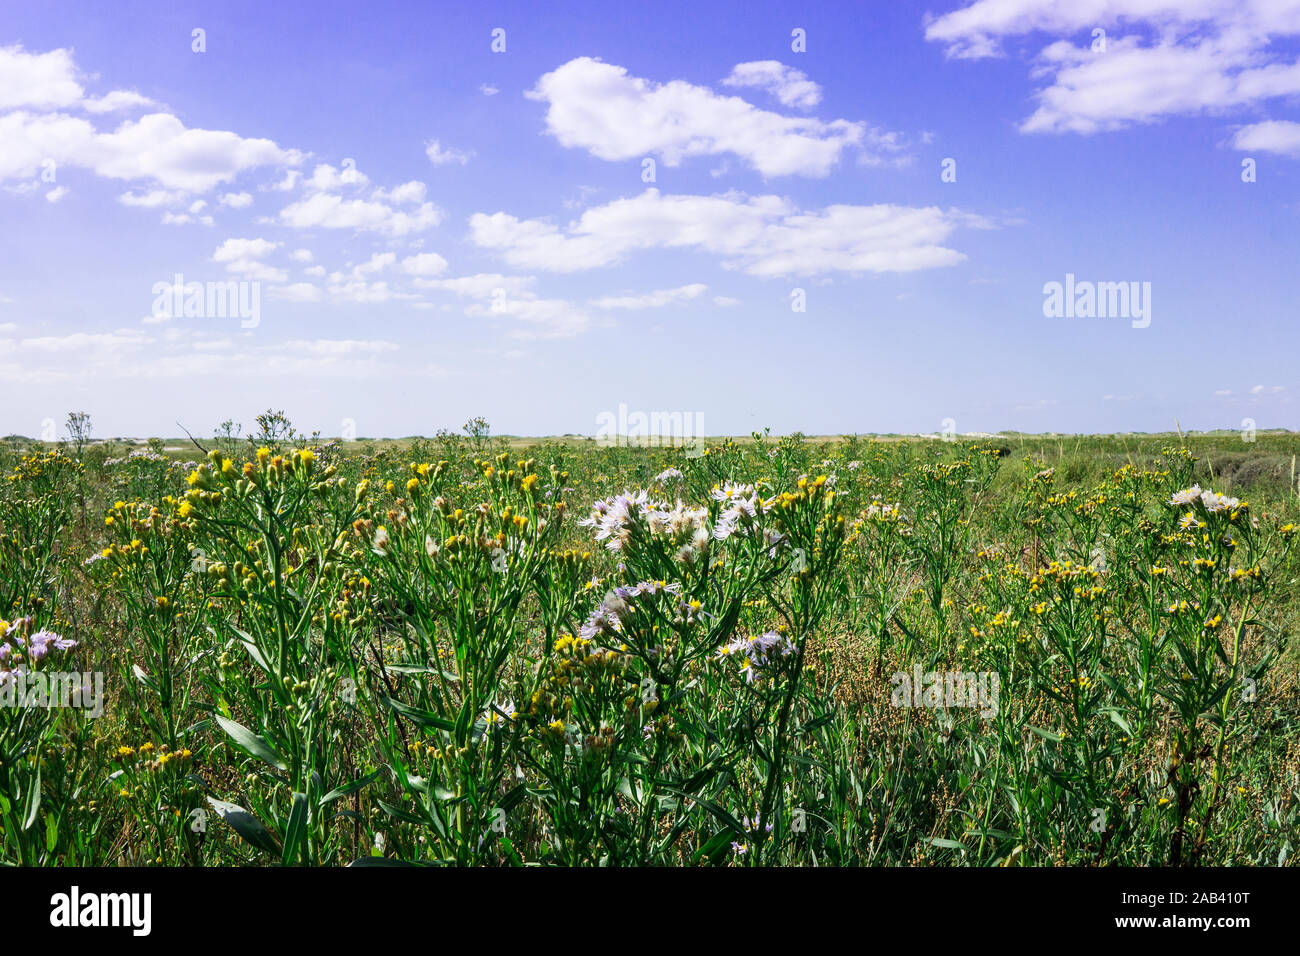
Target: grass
834,650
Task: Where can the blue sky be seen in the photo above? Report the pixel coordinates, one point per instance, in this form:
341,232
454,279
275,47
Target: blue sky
436,230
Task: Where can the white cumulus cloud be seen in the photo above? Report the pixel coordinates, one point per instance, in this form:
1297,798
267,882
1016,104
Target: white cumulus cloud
600,107
762,235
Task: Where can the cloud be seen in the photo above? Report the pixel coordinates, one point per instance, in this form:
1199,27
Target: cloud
341,346
156,148
301,255
43,80
761,235
170,218
1166,57
57,193
77,341
1267,389
488,90
288,183
242,256
237,200
494,295
652,300
378,262
358,290
441,156
424,264
372,211
115,101
411,192
1270,136
787,84
544,318
178,352
601,108
480,286
328,211
50,81
151,199
326,178
235,249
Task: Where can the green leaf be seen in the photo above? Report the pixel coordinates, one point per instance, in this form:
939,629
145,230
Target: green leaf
719,814
1120,722
424,718
348,788
716,849
144,678
51,832
33,798
249,741
397,813
295,830
513,798
251,647
249,828
379,861
1048,734
944,843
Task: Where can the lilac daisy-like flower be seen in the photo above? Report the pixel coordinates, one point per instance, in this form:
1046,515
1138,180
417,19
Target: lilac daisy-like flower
1215,502
658,587
49,639
618,602
730,492
773,540
757,652
613,517
600,622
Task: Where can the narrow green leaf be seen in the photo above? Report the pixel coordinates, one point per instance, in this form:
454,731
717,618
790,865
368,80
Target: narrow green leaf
249,741
249,828
424,718
349,788
33,806
295,830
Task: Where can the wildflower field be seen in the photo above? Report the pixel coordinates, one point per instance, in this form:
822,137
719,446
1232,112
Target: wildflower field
474,651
